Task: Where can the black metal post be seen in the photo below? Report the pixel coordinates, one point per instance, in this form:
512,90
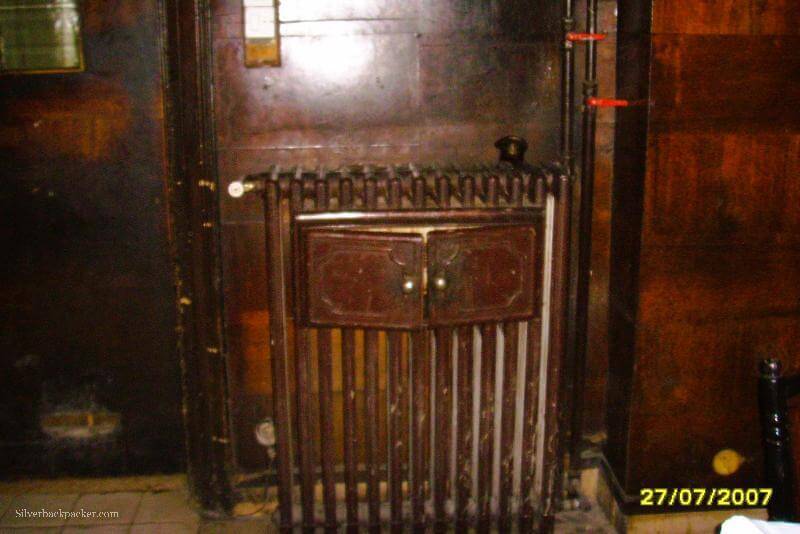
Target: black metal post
584,259
777,446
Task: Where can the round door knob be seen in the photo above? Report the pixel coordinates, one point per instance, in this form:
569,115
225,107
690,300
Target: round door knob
409,286
440,283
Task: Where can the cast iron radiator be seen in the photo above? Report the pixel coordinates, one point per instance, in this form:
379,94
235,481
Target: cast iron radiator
434,299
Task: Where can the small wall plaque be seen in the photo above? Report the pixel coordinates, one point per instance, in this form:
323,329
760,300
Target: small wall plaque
261,35
40,36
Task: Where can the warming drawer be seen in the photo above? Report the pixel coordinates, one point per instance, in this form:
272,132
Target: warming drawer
390,279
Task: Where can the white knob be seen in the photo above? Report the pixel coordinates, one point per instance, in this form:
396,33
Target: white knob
408,286
236,189
265,432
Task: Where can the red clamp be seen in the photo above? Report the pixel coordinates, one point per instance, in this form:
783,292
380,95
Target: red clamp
612,102
575,36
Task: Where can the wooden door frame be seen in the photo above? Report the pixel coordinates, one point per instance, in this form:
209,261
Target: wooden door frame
192,193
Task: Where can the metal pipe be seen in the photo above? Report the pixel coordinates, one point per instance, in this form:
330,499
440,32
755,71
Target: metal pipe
486,426
421,426
567,89
398,425
371,355
559,286
443,408
252,183
584,260
507,423
776,438
278,332
464,391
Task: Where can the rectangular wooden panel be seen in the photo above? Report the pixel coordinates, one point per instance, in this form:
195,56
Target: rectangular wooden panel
483,274
731,17
723,187
755,80
358,278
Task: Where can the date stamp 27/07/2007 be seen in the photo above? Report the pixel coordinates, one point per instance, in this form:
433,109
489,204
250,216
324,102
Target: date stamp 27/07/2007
708,497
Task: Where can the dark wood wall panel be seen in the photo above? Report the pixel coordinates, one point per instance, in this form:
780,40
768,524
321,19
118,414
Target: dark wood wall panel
88,307
697,284
736,17
708,283
715,410
713,82
366,82
741,178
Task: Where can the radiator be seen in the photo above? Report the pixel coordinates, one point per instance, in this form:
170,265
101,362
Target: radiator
434,300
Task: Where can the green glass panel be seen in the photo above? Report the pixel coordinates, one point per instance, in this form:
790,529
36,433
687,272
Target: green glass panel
40,35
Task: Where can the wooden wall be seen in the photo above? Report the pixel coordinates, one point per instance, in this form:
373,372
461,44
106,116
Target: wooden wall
90,302
371,82
87,306
705,233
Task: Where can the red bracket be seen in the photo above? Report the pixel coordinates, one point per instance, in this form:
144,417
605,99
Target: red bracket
575,36
612,102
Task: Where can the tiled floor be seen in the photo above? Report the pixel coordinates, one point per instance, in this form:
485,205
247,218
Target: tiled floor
139,505
145,505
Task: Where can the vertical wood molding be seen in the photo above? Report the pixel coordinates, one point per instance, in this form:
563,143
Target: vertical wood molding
194,228
630,156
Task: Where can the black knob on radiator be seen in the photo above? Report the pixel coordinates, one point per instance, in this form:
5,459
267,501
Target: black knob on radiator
512,149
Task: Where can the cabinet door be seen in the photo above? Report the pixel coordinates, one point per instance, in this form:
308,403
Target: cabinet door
369,279
483,274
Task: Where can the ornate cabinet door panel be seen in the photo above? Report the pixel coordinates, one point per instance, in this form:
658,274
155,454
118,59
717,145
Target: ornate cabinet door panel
482,274
369,279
